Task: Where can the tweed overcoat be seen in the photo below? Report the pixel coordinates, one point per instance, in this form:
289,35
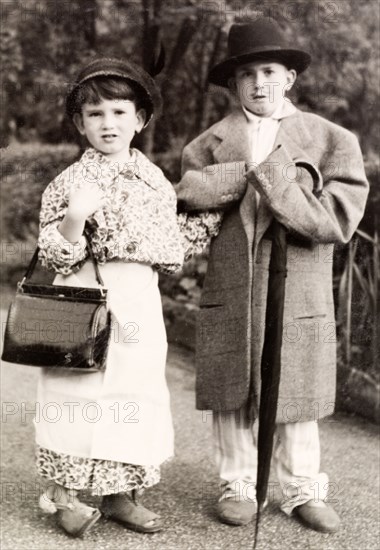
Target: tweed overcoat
230,327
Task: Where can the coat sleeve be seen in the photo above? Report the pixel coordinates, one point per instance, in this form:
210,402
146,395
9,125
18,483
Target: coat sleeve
199,202
288,191
56,253
207,186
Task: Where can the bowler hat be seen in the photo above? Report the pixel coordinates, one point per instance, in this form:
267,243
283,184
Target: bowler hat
109,66
257,40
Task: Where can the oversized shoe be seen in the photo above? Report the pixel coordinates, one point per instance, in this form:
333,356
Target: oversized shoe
75,517
236,507
235,512
126,510
318,516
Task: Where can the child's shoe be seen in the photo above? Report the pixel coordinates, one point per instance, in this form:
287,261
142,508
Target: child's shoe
318,516
125,509
73,516
237,505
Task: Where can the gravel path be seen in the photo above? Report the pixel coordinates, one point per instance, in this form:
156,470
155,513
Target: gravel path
187,493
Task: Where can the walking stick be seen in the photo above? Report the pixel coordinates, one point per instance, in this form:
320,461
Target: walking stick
271,356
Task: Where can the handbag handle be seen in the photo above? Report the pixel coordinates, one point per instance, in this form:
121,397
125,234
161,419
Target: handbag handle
33,262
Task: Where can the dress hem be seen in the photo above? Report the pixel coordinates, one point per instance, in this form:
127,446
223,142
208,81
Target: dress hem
100,477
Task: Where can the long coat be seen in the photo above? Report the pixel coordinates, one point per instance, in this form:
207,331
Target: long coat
230,328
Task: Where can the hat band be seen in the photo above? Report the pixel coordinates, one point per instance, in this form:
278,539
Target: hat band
113,72
261,49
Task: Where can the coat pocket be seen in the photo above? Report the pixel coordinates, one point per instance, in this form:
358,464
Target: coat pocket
308,295
311,316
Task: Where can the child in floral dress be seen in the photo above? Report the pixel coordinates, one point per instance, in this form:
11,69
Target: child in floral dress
115,427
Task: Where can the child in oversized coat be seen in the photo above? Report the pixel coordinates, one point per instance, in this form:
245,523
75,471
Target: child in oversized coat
245,167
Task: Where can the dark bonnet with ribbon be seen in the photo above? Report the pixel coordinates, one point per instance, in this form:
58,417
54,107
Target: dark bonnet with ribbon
109,66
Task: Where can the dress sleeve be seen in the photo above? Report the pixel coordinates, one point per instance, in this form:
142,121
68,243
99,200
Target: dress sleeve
199,201
197,230
56,253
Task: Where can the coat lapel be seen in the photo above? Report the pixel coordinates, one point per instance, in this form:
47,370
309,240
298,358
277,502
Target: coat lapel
233,133
234,147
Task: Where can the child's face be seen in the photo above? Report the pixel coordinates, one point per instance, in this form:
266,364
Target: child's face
110,126
261,85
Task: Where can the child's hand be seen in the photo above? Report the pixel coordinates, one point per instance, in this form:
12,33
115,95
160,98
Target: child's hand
85,201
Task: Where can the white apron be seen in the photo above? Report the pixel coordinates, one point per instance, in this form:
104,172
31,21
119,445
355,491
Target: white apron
124,413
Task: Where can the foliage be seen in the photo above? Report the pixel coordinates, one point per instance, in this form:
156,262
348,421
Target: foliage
53,39
358,311
25,172
10,69
341,36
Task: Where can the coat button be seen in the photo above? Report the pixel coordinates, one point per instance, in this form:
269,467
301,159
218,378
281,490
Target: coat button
229,197
223,198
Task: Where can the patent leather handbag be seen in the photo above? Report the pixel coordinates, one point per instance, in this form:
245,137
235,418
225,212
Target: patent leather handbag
58,326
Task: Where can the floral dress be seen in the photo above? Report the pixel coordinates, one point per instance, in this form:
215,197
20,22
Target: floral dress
135,235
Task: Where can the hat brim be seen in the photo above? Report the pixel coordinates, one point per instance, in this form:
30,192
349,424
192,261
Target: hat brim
292,59
148,88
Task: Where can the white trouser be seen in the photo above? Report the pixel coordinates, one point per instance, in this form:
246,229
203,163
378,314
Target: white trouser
296,457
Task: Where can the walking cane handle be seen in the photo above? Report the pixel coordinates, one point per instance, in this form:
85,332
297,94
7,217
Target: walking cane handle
315,174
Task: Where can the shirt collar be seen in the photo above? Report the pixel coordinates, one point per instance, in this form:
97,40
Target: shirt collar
138,166
93,155
285,109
